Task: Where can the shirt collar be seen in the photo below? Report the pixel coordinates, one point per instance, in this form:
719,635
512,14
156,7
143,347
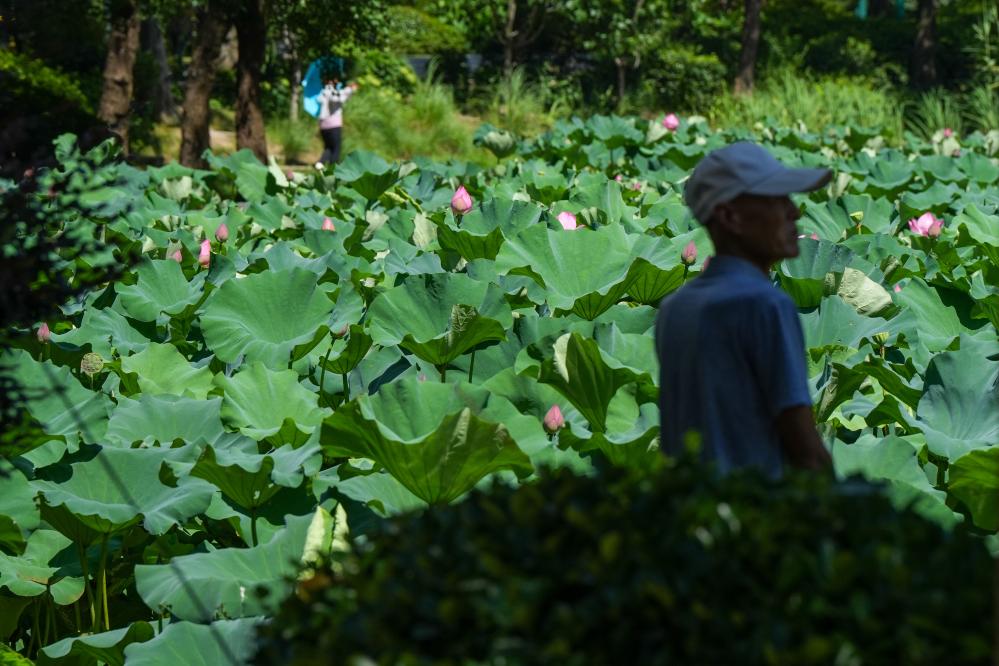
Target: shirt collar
724,265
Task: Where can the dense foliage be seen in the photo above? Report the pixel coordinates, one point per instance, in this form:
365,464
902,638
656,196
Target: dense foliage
396,334
671,567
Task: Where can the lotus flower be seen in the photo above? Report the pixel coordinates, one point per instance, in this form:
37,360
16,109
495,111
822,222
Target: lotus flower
290,175
814,236
177,256
637,185
205,256
926,225
619,178
671,122
328,224
898,288
44,334
689,254
567,220
461,202
222,233
948,132
553,419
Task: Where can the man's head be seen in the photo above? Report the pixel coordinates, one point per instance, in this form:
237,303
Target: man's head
740,193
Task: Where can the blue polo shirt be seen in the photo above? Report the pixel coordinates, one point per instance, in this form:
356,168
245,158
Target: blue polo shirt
731,358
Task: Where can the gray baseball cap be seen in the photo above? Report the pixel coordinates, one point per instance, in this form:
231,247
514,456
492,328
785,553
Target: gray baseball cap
744,168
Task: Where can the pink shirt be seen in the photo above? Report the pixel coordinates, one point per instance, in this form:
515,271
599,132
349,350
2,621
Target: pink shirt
331,103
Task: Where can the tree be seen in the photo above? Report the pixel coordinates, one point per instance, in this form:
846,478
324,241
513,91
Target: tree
212,26
123,44
924,67
744,79
251,31
162,94
518,24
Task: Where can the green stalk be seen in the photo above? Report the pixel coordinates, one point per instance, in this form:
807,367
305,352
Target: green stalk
55,619
76,615
322,372
48,618
442,369
253,525
35,631
86,585
102,576
346,388
471,366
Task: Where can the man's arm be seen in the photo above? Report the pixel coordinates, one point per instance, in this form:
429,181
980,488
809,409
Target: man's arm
799,439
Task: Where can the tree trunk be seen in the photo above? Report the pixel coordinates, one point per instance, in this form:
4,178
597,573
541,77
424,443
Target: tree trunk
123,44
296,89
924,66
163,103
744,80
251,31
194,129
509,35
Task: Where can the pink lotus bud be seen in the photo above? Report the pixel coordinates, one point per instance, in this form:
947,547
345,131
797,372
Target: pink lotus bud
177,256
948,132
814,236
553,419
689,254
222,233
567,220
637,185
618,178
671,122
898,288
44,334
926,225
205,257
328,224
290,175
461,202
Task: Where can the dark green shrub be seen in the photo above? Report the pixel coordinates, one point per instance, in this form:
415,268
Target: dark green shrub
379,69
680,79
671,567
411,31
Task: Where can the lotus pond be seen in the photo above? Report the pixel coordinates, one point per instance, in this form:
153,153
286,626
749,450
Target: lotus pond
295,354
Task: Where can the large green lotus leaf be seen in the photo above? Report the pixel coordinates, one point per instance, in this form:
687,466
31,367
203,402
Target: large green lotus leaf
631,351
959,410
17,505
270,405
981,229
632,436
195,587
379,491
54,398
221,643
600,202
657,271
105,648
440,317
347,352
106,331
482,231
161,369
249,478
937,198
804,277
30,574
160,288
579,372
163,419
263,317
367,174
118,488
243,166
428,435
831,219
926,318
834,323
978,167
8,657
564,263
974,480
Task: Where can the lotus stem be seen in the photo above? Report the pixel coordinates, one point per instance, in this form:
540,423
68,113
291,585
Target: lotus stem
76,614
36,637
48,617
253,526
55,619
442,369
322,372
471,366
346,387
103,582
86,585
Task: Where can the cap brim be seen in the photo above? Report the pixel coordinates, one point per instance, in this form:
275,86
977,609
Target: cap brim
789,181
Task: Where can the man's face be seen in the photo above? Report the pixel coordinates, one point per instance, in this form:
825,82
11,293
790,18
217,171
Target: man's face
765,226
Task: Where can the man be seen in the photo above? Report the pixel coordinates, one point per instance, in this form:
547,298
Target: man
730,345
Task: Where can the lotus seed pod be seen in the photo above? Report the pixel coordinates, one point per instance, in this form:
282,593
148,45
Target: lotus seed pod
91,364
881,338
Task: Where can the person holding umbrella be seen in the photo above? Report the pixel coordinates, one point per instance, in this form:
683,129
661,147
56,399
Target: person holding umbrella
326,104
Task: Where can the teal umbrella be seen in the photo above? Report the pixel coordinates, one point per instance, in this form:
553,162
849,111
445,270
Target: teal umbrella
312,86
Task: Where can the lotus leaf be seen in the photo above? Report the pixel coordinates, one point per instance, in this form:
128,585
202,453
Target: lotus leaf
161,369
106,648
161,288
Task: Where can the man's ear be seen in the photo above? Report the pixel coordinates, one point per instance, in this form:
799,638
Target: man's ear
726,219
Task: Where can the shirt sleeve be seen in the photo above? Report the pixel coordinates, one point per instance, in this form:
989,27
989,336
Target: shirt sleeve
778,357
